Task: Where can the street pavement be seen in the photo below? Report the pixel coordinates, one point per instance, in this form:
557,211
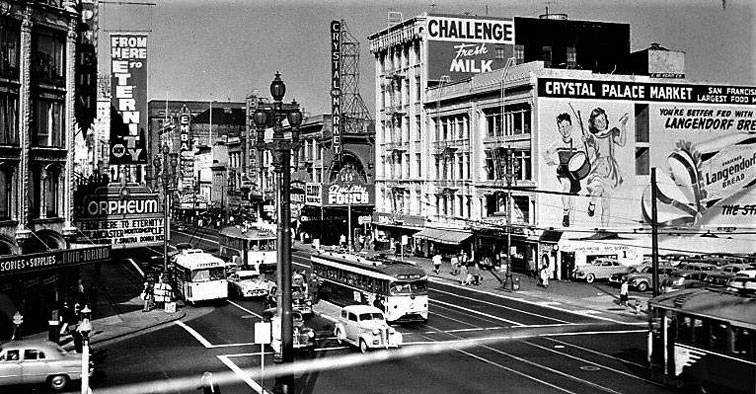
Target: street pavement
118,313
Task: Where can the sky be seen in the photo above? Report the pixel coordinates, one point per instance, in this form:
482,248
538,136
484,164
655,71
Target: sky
224,49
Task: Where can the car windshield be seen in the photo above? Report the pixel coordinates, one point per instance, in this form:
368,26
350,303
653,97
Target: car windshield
208,274
247,276
408,288
371,316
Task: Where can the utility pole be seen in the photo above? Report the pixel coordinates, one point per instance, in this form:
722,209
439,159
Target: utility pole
654,236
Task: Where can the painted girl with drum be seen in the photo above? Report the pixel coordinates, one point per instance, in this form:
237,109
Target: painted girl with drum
559,154
605,175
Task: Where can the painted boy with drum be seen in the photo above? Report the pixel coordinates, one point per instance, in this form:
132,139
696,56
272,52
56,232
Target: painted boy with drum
566,150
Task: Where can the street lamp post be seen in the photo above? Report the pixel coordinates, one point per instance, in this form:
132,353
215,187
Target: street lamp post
84,329
172,160
281,148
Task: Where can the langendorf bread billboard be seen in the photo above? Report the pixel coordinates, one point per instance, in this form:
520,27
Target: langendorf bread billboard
594,137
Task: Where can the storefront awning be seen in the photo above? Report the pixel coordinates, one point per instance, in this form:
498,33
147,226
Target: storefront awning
550,236
449,237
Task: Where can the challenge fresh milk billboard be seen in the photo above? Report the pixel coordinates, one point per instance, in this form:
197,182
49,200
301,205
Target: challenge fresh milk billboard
594,137
461,47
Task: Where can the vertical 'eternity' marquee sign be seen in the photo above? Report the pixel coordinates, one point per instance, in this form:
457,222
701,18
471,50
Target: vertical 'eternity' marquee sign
336,86
128,53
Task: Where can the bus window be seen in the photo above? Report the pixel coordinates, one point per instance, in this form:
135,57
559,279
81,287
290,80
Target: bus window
743,342
684,329
700,333
205,275
718,338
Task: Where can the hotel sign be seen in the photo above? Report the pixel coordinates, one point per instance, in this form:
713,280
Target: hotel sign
128,135
336,126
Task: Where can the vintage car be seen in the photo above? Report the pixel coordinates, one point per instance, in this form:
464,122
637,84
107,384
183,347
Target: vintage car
249,284
300,300
38,361
304,337
600,268
684,280
641,277
365,326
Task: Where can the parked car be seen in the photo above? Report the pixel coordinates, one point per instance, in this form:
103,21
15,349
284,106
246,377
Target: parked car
246,283
684,280
600,268
718,279
736,267
643,279
645,268
695,266
304,337
746,273
38,361
365,326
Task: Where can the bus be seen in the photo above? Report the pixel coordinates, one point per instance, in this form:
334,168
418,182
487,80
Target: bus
199,276
401,289
249,248
705,339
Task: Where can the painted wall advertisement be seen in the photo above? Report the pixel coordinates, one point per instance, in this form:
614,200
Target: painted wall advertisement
462,47
587,151
702,143
121,221
128,136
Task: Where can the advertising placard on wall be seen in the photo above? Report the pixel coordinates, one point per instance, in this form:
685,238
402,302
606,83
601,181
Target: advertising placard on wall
128,135
702,143
297,198
349,188
121,221
313,194
461,47
597,190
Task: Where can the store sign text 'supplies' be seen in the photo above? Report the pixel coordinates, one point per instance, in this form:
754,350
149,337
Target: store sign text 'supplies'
618,90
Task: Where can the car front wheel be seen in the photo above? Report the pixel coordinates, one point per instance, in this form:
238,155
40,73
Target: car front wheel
338,337
363,346
58,382
642,286
590,278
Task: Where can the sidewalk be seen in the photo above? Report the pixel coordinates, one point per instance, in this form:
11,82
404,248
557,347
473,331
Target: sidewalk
579,297
575,295
117,313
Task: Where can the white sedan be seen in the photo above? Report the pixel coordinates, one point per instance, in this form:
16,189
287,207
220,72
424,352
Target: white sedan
250,284
365,326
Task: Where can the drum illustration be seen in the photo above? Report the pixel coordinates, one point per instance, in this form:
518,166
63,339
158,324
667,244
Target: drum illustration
579,165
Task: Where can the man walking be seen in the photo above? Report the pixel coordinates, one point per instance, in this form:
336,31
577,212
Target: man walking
437,263
623,292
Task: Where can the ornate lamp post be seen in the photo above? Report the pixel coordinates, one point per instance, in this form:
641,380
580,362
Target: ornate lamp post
281,148
168,174
85,327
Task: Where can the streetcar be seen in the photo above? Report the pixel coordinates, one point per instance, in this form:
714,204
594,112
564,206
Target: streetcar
199,276
705,339
248,248
399,289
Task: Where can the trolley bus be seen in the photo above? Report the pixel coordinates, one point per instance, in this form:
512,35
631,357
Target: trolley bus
252,249
399,288
705,339
199,276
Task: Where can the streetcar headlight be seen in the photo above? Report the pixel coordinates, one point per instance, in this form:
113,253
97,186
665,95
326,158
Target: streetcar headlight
310,334
376,331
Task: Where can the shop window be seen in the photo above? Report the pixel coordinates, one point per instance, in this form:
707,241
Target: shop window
641,123
48,122
8,118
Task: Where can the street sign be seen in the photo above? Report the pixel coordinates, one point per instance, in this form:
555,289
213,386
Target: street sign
262,333
365,219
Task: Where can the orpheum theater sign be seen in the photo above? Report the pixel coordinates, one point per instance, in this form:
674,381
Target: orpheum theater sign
123,220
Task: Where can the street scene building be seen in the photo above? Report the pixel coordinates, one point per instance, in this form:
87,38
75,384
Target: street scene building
536,204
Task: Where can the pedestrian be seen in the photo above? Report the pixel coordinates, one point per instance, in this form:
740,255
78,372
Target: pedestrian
147,297
465,275
545,276
454,265
475,273
437,263
342,241
208,384
378,303
623,292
